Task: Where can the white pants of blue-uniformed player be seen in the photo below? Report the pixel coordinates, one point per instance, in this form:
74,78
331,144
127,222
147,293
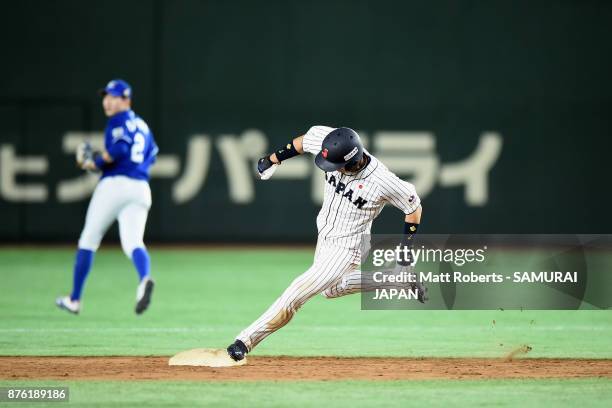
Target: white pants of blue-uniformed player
118,198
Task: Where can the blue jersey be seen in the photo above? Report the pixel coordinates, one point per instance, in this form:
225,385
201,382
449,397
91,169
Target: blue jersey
127,127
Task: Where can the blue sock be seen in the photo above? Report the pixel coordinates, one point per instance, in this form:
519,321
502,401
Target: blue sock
82,265
140,258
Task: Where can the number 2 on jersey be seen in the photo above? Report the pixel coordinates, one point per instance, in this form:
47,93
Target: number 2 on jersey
138,148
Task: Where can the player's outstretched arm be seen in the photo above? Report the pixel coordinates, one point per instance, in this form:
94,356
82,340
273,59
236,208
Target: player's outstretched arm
287,152
266,166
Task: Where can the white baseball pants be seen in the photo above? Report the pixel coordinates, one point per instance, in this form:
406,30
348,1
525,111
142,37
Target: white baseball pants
334,273
118,198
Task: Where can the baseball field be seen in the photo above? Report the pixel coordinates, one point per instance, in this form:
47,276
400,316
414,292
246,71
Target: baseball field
332,353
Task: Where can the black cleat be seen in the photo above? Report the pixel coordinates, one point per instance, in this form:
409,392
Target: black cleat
420,288
143,295
422,291
237,350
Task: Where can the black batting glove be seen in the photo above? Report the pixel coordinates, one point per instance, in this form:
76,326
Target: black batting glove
265,168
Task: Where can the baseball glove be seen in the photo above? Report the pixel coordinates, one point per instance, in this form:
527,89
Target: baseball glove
84,153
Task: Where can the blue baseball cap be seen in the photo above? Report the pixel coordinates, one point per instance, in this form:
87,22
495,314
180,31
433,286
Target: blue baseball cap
117,87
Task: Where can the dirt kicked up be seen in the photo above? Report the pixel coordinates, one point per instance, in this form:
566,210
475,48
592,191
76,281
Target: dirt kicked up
299,368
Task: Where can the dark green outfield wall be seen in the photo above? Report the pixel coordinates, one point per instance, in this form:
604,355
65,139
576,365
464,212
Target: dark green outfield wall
222,81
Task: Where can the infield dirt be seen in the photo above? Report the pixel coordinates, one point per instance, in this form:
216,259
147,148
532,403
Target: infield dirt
299,368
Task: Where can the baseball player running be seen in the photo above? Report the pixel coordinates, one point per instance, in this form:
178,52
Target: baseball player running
357,188
122,193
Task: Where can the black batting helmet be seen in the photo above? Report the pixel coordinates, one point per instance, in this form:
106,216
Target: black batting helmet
340,148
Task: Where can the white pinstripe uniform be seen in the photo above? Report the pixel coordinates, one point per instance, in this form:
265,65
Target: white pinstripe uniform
350,204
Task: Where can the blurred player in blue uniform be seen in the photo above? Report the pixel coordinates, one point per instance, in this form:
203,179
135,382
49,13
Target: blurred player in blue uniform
122,193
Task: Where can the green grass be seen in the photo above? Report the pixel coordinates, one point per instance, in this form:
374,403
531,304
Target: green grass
204,298
510,393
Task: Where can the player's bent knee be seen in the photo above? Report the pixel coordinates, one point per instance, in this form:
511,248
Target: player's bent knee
327,294
92,248
90,241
